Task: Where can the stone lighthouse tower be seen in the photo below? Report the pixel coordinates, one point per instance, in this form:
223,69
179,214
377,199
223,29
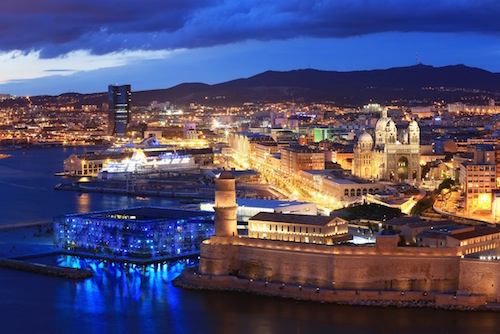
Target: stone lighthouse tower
225,205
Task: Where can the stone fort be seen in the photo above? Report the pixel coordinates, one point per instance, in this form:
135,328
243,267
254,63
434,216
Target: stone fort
384,272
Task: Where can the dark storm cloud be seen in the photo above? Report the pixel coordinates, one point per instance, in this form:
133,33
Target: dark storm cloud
57,27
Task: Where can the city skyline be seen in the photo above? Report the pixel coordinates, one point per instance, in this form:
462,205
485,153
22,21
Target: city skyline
79,47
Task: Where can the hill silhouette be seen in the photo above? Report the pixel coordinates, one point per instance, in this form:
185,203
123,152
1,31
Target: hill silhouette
418,84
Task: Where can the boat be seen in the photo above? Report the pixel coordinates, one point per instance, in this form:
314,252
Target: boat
140,164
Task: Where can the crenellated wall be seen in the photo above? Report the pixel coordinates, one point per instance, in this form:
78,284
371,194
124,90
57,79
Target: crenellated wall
342,267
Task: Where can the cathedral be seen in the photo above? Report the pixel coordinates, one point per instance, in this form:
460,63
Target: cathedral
392,156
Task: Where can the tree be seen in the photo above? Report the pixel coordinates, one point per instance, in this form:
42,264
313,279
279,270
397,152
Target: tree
446,184
425,170
371,211
424,204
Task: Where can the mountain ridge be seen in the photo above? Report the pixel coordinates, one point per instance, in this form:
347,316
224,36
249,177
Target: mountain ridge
408,84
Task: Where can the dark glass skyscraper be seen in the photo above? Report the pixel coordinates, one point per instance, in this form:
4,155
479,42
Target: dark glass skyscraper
119,99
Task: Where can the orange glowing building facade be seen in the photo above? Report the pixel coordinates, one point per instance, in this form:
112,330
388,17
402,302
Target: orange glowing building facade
478,180
298,228
297,158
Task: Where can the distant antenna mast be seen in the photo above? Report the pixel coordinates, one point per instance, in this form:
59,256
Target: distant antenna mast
416,59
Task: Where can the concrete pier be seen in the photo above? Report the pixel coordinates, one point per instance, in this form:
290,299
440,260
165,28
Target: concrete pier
37,268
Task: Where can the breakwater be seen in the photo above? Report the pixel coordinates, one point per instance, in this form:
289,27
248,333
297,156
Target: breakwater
37,268
25,224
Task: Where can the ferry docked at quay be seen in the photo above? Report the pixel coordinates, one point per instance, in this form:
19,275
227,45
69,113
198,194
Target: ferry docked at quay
140,164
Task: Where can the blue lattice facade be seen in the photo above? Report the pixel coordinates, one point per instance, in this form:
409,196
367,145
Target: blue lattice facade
134,233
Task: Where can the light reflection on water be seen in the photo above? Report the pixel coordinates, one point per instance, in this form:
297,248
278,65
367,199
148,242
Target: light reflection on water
127,280
143,291
122,299
166,270
83,202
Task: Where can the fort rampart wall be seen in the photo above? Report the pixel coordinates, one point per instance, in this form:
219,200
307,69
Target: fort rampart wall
480,277
353,297
382,268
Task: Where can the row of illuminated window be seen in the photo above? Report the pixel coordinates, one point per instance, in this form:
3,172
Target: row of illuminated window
481,248
477,240
478,190
481,168
481,184
263,227
285,237
358,192
484,175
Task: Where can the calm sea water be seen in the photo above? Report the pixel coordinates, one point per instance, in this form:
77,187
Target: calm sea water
120,300
26,189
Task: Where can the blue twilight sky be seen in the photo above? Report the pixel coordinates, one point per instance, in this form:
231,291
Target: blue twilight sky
57,46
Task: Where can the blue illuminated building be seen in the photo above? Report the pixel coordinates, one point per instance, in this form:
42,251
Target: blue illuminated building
143,233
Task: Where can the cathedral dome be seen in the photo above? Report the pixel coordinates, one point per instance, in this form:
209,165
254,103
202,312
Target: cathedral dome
366,137
365,141
381,124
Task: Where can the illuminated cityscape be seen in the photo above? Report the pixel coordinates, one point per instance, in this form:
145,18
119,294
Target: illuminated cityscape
250,167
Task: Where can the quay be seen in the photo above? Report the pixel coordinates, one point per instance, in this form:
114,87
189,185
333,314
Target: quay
63,272
123,191
28,224
22,241
193,280
127,260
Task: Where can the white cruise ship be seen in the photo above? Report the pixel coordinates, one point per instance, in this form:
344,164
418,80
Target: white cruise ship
140,164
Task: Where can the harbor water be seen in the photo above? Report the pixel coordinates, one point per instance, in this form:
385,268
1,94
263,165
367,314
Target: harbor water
27,189
128,299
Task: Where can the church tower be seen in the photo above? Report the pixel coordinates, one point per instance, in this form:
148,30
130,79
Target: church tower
225,205
381,131
413,133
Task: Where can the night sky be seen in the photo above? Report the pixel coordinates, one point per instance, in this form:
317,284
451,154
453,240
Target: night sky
57,46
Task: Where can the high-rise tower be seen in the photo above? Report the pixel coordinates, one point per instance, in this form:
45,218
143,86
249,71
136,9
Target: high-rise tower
119,99
225,205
